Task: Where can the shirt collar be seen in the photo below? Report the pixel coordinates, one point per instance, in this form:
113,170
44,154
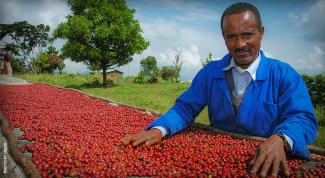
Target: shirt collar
251,69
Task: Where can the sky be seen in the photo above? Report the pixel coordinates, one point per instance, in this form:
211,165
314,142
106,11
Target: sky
294,30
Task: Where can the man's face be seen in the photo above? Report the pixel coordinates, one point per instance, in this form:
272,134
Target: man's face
242,37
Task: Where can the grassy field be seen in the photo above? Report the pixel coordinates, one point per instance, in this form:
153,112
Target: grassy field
159,96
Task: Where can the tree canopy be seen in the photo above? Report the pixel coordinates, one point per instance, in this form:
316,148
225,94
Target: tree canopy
49,61
101,33
25,38
316,88
149,69
167,73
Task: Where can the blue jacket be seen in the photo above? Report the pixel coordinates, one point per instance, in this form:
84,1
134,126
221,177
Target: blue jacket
276,102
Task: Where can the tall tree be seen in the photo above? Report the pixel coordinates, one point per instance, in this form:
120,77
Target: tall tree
26,38
207,60
101,33
178,62
4,30
49,61
149,69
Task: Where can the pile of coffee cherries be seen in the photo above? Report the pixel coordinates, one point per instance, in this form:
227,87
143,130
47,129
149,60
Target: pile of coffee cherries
75,135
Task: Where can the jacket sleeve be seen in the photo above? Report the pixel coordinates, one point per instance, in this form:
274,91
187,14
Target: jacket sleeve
297,113
188,105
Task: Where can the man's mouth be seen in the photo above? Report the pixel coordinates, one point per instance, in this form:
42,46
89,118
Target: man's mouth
242,53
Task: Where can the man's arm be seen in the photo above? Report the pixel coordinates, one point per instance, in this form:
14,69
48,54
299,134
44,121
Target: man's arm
298,127
187,107
297,112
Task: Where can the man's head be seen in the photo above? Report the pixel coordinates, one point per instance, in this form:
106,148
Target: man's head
242,30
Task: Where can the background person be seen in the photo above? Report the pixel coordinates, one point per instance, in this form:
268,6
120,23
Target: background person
6,68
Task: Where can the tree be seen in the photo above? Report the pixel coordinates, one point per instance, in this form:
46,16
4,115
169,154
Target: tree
316,88
103,34
49,61
207,60
17,65
149,69
94,67
5,29
26,38
177,65
167,73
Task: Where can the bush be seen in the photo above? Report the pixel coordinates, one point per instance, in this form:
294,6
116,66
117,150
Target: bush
316,88
48,63
167,72
149,69
18,66
139,79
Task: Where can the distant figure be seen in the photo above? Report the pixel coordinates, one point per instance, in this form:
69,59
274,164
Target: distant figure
5,65
1,66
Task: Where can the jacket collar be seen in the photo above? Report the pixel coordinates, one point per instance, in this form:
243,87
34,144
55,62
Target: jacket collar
261,73
252,69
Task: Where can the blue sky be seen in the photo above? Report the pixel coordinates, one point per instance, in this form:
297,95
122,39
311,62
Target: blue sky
294,30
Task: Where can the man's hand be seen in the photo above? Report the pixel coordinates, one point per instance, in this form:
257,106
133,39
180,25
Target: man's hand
149,137
269,154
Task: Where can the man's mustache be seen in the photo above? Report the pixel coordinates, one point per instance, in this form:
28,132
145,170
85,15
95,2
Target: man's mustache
238,50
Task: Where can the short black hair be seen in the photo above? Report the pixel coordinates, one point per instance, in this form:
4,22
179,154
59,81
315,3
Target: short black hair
239,8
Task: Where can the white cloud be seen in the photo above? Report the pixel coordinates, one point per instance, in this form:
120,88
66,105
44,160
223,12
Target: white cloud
190,57
318,51
311,20
187,11
49,12
160,29
196,11
167,36
164,34
53,12
314,63
74,67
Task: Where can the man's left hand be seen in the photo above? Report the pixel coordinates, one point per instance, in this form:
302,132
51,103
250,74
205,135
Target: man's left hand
270,155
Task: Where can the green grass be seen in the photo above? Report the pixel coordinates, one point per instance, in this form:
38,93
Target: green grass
62,80
320,140
160,96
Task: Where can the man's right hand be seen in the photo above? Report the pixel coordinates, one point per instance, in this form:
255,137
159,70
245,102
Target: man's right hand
149,137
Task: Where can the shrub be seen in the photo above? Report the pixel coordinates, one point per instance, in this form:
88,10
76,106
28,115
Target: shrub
167,72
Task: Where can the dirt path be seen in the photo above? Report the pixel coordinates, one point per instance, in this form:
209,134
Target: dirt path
6,80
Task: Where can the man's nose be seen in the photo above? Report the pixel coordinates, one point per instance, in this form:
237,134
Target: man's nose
240,43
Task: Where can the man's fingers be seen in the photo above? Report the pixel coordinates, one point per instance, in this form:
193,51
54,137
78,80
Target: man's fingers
152,141
152,136
285,167
258,161
126,140
266,166
254,158
138,140
275,168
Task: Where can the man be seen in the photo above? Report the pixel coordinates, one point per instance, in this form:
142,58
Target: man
248,93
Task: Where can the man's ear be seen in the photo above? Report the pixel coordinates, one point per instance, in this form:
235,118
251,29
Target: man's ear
261,31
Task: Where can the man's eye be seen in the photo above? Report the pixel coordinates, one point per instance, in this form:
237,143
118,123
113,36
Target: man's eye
229,37
247,34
